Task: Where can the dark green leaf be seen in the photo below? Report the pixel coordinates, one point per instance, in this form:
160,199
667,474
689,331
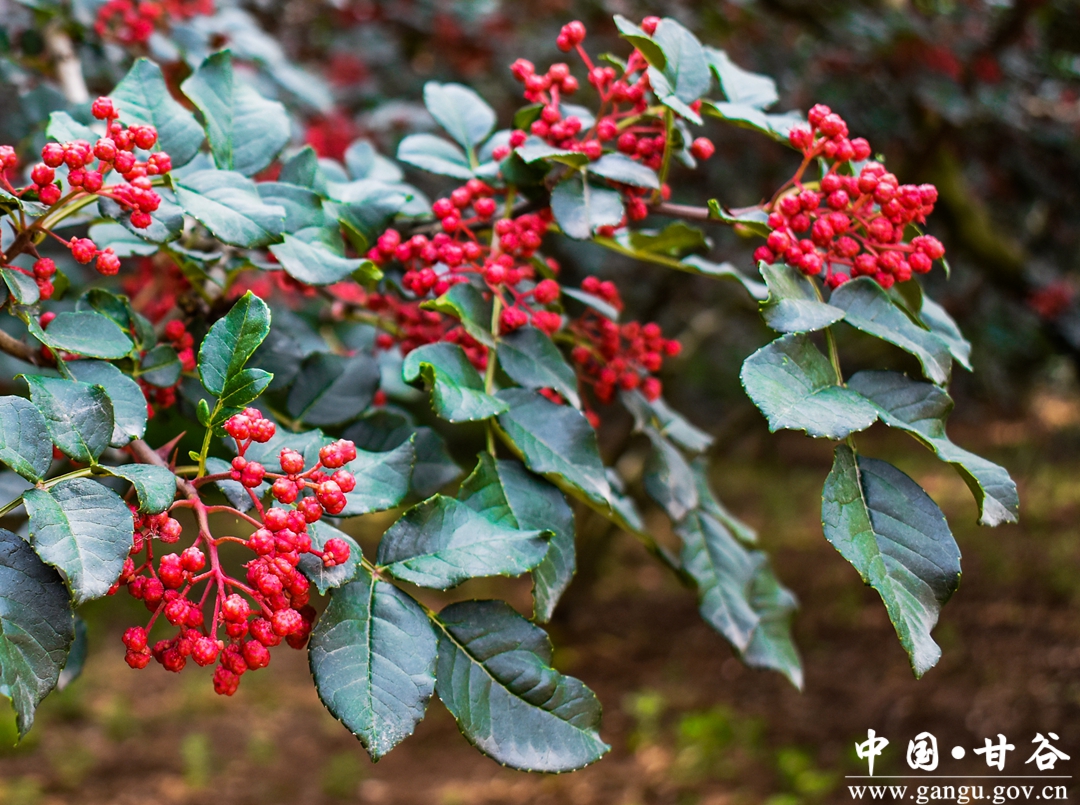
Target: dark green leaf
668,478
944,327
557,442
921,410
241,389
315,264
231,342
143,97
302,169
696,264
84,530
668,422
508,495
674,240
327,578
228,204
739,85
532,360
795,387
754,220
495,676
441,543
76,658
436,155
382,479
332,389
710,503
373,655
794,305
460,111
246,131
154,486
128,401
166,222
466,303
160,366
83,333
620,168
79,416
37,627
434,467
771,645
23,288
25,445
302,205
749,117
869,308
890,530
580,208
457,390
365,207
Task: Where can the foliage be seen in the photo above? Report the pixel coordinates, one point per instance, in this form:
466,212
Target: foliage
320,325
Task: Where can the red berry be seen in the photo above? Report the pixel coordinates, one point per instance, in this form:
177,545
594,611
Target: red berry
103,109
205,651
235,609
702,148
286,622
83,249
135,638
107,262
192,559
335,552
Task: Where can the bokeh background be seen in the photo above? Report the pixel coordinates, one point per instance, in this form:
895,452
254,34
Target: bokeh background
981,98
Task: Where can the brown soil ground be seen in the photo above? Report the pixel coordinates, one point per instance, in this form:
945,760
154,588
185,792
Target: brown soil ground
687,722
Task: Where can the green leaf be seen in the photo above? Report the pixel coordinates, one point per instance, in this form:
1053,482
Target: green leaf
749,117
315,264
435,155
457,390
240,390
794,305
670,423
580,208
231,341
674,240
228,204
695,264
373,656
755,220
557,442
143,97
166,222
944,327
668,478
25,445
460,111
382,479
637,37
739,85
160,366
710,503
365,207
83,333
121,240
686,71
466,303
536,150
303,206
332,389
620,168
795,387
869,308
63,127
246,131
441,543
154,486
508,495
23,288
37,627
896,537
921,410
234,491
84,530
327,578
532,360
79,416
76,658
128,401
495,676
302,169
771,645
364,162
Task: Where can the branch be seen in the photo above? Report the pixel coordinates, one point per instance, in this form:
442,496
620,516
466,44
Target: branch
68,68
23,351
148,455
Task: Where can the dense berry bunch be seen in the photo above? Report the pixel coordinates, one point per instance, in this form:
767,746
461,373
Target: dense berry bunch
132,22
271,604
611,357
853,224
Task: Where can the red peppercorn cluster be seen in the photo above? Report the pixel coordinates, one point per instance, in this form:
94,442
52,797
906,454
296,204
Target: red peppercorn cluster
131,22
617,127
457,254
271,603
611,357
853,225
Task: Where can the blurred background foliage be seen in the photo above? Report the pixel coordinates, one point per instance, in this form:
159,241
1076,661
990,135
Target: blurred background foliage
980,97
